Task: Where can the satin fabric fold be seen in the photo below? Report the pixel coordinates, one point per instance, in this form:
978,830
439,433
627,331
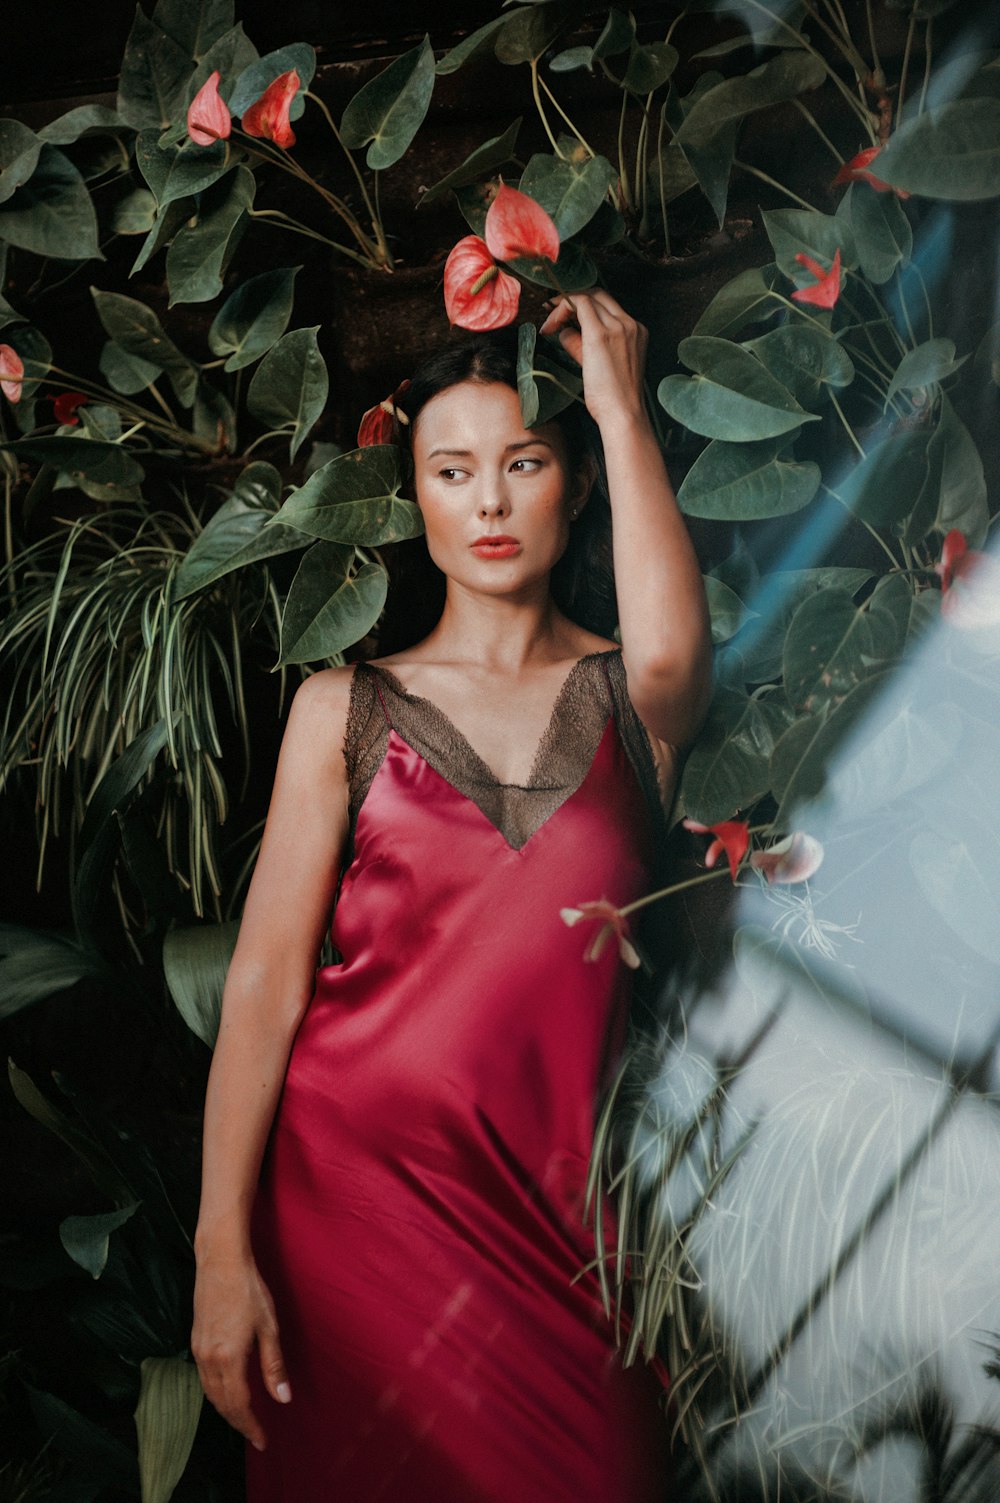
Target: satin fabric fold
419,1216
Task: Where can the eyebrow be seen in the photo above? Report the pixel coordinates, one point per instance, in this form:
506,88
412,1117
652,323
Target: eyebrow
527,443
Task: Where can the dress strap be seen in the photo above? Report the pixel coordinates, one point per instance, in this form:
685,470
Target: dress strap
381,700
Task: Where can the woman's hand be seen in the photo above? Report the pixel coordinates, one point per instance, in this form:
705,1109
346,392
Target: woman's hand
233,1313
611,349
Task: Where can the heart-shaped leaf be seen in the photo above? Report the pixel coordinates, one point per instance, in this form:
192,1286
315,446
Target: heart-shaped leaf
880,230
732,396
290,386
152,85
780,78
952,152
174,172
138,331
390,109
329,607
806,359
929,363
747,299
832,646
570,191
78,122
817,235
87,1239
355,499
480,164
52,214
746,481
201,249
195,25
254,317
727,768
19,151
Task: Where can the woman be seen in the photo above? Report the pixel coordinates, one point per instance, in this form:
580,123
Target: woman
395,1311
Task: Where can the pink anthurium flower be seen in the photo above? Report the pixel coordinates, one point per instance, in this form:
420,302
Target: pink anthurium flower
378,423
11,373
794,859
208,117
615,922
477,294
826,289
64,407
732,836
856,171
518,226
268,118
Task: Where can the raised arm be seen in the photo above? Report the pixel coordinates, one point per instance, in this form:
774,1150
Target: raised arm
268,987
662,610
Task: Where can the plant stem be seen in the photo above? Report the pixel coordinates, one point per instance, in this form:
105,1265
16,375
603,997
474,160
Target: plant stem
847,427
622,174
662,180
927,302
765,178
8,536
536,95
819,131
868,528
263,438
928,52
640,168
564,117
375,219
856,106
905,311
904,70
877,70
284,221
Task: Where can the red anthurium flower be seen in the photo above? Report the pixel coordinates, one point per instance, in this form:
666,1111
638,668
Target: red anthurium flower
377,423
208,116
826,290
518,226
65,404
970,583
731,836
793,859
269,116
615,922
477,294
856,171
11,373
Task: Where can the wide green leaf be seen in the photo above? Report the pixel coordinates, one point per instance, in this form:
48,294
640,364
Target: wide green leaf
165,226
806,359
126,373
254,317
252,82
649,66
166,1419
926,365
134,213
950,153
52,213
731,396
727,768
480,164
882,488
19,151
477,41
87,1239
154,74
530,31
832,646
354,499
390,109
774,599
329,607
747,299
544,387
727,611
174,172
195,25
237,534
290,386
138,331
817,235
195,962
37,964
963,501
571,190
105,471
79,122
710,158
201,249
780,78
742,482
880,230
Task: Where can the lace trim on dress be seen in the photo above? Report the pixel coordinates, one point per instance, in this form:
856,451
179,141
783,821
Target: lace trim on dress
563,758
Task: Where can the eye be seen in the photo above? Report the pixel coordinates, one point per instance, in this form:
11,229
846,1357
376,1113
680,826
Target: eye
531,465
450,472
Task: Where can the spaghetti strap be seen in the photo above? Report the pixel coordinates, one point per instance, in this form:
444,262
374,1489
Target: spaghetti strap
381,701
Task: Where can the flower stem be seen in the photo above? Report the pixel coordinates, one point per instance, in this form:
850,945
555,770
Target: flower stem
765,178
283,221
564,117
663,184
866,525
373,213
905,69
847,427
928,53
819,131
536,95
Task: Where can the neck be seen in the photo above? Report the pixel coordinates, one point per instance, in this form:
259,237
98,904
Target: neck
503,634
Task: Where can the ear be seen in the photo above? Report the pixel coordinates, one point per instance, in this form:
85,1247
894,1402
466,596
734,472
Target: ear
581,484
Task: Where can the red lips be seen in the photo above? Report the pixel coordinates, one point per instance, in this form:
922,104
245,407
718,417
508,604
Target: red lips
492,538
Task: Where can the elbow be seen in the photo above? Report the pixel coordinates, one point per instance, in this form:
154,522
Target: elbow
671,695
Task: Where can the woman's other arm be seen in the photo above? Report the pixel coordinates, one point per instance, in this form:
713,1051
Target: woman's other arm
268,986
662,610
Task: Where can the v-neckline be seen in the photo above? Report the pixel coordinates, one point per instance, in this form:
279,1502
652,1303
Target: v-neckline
435,710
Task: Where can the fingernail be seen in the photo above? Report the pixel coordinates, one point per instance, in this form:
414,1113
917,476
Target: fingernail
258,1445
284,1393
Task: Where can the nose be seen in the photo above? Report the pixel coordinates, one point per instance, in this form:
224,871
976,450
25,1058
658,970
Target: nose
493,500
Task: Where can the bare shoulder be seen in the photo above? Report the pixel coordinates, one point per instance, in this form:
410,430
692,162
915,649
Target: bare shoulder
317,720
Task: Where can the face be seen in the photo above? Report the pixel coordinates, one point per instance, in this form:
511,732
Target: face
479,473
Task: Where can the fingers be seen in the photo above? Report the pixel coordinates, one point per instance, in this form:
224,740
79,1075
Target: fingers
224,1379
272,1367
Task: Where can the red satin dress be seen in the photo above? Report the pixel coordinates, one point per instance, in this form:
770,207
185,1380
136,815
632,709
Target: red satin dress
419,1217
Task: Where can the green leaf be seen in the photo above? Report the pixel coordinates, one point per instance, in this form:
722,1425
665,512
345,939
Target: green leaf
747,299
805,358
354,499
481,163
126,373
816,235
832,646
134,213
731,396
154,75
390,109
237,534
213,418
121,780
710,158
328,608
575,270
531,31
37,964
746,481
78,122
19,151
195,25
254,317
52,213
781,78
963,501
166,1419
802,757
727,768
882,487
571,59
105,468
569,191
926,365
476,42
195,962
727,610
290,386
880,229
950,153
775,599
137,330
649,67
165,226
545,388
200,252
87,1239
37,1105
230,55
174,172
254,80
617,35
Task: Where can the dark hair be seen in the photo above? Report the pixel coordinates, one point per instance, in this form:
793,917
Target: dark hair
582,581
